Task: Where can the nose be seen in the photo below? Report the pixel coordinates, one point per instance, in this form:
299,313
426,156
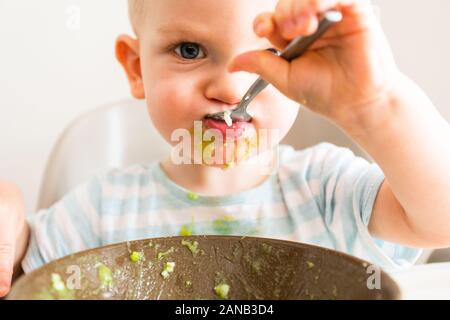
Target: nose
229,88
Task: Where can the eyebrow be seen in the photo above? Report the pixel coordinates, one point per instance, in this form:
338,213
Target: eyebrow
183,29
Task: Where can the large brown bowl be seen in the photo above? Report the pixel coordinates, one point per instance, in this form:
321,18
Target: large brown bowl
253,268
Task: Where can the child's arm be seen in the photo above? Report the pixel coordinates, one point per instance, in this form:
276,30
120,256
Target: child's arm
410,141
350,77
13,234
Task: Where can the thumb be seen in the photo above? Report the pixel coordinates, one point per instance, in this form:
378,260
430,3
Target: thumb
270,67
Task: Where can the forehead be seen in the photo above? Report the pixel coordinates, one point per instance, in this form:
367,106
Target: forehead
218,16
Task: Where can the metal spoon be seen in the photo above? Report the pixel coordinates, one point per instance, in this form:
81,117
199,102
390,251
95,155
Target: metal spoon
294,50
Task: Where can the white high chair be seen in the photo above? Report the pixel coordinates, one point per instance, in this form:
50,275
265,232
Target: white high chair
116,135
121,134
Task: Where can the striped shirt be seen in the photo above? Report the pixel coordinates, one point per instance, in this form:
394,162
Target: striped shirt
323,195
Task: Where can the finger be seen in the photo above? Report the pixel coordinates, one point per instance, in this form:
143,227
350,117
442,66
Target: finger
264,26
295,18
323,5
7,254
347,7
306,21
284,19
264,63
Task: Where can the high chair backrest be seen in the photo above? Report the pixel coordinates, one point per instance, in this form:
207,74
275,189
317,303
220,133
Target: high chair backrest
115,135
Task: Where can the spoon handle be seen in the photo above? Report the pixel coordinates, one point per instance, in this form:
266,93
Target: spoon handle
295,49
300,45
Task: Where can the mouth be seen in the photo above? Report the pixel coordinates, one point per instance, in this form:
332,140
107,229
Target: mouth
230,131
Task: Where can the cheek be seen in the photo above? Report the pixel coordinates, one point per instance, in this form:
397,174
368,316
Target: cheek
168,105
276,112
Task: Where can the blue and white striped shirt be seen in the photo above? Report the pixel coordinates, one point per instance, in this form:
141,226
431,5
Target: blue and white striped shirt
323,195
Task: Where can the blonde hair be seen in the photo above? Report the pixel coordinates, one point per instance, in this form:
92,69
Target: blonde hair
136,11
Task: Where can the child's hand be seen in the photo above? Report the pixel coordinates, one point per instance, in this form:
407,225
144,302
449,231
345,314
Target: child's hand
12,235
343,75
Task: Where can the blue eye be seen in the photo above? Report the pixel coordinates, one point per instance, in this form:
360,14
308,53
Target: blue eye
189,51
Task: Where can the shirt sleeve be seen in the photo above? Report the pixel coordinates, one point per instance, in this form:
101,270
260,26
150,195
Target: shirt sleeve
71,225
350,188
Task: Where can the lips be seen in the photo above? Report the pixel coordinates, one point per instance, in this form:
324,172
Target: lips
237,130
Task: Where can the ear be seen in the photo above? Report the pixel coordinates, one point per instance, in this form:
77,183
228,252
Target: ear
127,53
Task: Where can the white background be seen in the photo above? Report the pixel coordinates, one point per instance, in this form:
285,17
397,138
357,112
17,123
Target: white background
51,72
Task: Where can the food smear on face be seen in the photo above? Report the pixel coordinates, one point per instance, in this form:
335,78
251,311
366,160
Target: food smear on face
169,267
234,145
240,151
228,165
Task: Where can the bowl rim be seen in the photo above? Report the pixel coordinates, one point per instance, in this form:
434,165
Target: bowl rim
395,288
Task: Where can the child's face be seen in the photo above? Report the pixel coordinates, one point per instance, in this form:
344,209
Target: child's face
185,49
